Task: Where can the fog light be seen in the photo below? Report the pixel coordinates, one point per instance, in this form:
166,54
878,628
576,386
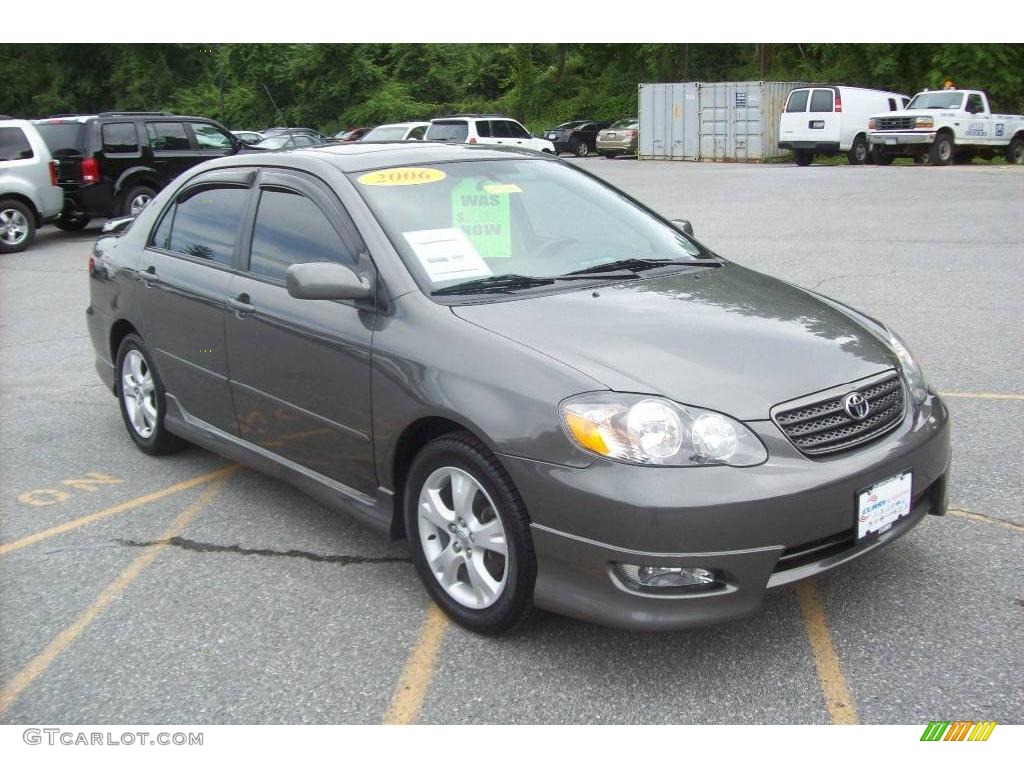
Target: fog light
666,577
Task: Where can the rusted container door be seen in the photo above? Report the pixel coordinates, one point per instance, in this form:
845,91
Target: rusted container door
668,115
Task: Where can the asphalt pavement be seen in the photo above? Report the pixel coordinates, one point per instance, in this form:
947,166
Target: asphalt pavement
181,590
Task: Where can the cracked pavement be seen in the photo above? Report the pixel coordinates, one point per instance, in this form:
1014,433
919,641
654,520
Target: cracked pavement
268,608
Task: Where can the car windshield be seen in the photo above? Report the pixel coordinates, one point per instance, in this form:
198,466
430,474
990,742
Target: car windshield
64,138
387,133
447,130
573,124
937,100
458,222
275,142
623,125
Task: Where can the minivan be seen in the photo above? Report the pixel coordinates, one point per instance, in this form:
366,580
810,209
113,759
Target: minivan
828,120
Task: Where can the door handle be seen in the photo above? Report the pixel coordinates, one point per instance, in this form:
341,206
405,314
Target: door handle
240,304
149,276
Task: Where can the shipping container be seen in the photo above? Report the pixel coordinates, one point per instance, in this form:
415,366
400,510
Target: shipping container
734,122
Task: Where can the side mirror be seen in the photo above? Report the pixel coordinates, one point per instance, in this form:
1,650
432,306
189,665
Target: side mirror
684,225
325,280
117,226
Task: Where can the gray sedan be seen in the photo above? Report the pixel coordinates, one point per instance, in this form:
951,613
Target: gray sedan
559,398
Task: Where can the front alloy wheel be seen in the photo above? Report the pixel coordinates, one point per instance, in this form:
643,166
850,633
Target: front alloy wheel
462,537
469,533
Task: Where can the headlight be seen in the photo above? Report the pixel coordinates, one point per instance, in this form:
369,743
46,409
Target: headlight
872,123
924,122
652,430
911,370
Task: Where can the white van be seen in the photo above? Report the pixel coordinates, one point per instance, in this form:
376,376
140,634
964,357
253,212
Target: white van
829,119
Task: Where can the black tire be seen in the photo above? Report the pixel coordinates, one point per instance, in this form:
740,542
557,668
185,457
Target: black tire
881,156
963,157
582,149
161,441
920,159
514,606
138,192
17,226
860,152
1015,152
943,150
72,223
803,157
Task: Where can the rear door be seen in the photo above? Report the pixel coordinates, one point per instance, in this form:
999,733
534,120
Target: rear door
793,125
300,369
823,122
186,269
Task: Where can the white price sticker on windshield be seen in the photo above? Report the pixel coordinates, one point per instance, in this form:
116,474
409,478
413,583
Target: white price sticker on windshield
447,254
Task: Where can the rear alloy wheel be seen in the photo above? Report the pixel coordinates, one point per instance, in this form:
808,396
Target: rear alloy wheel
136,199
582,149
803,157
470,535
17,226
141,396
942,150
859,152
1015,152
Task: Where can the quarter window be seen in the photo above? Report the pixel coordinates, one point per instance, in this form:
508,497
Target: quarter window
797,101
205,223
120,138
483,129
500,129
517,131
291,229
167,137
821,101
14,144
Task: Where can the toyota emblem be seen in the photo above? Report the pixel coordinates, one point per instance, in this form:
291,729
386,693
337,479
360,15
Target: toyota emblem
857,406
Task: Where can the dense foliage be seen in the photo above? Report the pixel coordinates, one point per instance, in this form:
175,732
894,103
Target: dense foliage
331,86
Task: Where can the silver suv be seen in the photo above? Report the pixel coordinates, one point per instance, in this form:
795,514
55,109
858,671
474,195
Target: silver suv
29,195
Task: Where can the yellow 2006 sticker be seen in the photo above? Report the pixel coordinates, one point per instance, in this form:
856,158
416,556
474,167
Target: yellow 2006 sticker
400,177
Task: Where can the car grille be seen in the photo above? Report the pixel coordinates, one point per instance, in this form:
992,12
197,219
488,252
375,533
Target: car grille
826,427
894,123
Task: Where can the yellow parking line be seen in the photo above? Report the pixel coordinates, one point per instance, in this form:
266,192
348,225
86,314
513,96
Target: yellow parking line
1008,524
41,663
419,669
984,395
838,700
117,509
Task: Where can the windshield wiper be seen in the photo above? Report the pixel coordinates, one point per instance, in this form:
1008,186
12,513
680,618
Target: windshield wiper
638,265
495,284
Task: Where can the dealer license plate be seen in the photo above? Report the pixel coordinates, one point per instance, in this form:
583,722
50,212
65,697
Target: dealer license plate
882,504
552,135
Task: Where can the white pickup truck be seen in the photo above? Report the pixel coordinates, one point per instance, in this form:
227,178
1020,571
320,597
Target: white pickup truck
945,127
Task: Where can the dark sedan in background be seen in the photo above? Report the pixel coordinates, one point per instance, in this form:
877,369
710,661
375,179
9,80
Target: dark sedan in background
577,136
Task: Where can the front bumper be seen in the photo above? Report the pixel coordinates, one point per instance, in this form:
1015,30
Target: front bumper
759,527
901,138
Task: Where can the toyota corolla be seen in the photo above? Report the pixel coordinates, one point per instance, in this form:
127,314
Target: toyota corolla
560,399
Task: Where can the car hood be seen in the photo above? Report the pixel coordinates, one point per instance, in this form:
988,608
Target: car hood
729,339
912,113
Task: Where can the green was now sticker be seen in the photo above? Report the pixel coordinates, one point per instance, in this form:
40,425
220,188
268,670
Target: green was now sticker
484,217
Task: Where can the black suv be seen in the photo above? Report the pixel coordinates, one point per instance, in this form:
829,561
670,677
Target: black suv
114,163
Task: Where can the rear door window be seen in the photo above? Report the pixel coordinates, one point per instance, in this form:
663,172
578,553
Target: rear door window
14,144
205,223
292,229
483,129
797,101
517,131
499,129
417,132
167,137
822,101
120,138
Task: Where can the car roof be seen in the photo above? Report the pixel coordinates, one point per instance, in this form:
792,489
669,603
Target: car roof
414,124
360,156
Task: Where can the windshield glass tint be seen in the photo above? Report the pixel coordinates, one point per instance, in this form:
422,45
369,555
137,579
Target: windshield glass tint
386,133
937,100
455,222
447,130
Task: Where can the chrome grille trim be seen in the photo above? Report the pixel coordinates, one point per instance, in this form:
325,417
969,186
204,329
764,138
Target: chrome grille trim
822,426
